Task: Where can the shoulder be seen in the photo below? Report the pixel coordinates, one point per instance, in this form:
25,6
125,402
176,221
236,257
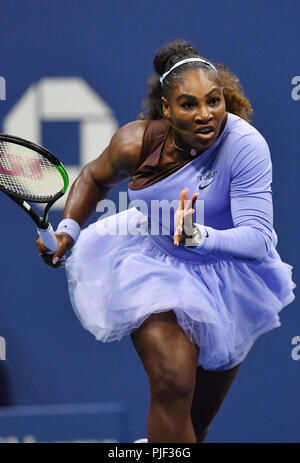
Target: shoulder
243,135
129,136
126,144
244,144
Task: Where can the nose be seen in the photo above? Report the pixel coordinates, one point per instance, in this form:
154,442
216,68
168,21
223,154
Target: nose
203,116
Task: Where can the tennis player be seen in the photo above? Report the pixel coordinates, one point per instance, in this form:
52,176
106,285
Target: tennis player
195,299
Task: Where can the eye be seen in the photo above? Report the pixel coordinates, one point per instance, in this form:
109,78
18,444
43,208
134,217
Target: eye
187,105
214,101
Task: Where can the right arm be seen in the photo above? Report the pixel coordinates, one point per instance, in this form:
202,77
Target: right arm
251,237
116,163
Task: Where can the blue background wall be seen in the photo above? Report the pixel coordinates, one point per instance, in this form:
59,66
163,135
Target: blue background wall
50,359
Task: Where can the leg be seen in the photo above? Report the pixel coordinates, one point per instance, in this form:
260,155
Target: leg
210,391
170,361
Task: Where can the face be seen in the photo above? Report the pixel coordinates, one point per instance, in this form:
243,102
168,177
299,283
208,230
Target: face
196,109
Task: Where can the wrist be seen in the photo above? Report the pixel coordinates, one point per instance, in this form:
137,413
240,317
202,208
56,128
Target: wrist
194,239
70,227
203,238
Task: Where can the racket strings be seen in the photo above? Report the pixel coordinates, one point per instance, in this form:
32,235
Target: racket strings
28,174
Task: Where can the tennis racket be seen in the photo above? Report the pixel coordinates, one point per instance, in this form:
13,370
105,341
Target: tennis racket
29,172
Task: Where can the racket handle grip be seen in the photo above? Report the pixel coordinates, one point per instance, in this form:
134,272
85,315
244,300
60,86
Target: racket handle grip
48,238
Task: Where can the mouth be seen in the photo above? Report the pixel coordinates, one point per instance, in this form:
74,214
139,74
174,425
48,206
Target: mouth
205,133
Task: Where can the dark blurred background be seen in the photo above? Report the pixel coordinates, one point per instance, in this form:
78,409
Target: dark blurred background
76,70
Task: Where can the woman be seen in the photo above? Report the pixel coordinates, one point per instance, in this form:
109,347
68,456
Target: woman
194,298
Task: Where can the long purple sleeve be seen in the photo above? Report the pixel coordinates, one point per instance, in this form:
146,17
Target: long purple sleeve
251,206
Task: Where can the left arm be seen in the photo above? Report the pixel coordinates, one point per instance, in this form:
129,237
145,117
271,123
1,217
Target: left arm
251,208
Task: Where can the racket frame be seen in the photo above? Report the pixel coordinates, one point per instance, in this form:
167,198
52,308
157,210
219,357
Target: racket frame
41,222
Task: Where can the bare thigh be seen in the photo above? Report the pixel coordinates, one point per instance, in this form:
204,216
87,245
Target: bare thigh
168,356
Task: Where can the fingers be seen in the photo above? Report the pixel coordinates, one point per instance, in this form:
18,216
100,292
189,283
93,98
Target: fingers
41,247
188,222
178,234
194,198
185,203
182,198
57,259
47,257
58,262
177,239
190,202
65,243
183,220
183,225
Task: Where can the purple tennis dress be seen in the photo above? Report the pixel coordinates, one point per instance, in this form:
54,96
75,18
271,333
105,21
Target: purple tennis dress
225,292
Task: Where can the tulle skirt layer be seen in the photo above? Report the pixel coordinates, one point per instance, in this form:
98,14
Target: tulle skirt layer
117,280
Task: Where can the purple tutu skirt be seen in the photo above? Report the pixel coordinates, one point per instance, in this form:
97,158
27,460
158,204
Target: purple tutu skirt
117,279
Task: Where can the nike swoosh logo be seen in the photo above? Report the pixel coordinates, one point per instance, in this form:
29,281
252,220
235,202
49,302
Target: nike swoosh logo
207,235
202,187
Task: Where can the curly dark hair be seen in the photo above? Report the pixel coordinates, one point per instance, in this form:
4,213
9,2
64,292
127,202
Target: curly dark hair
235,99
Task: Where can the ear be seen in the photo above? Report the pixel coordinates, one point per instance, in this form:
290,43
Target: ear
165,107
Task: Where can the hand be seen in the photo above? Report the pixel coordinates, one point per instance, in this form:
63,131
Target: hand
183,220
55,259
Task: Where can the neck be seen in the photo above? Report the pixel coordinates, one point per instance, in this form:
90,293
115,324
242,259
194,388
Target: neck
180,145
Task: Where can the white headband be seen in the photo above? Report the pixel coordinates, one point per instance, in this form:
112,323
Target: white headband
188,60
